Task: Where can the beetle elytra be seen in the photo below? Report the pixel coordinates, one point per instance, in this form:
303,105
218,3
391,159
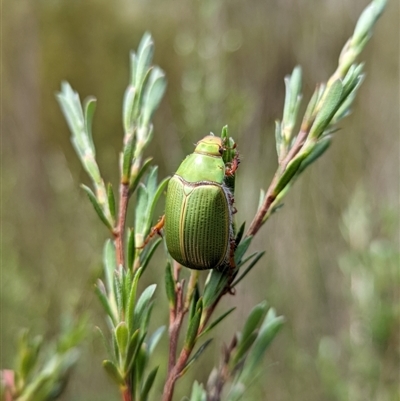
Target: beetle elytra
199,207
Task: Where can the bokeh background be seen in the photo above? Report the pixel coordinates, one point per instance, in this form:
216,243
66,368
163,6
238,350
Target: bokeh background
332,261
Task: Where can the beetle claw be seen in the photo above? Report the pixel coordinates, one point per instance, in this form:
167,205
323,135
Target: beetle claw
233,166
155,230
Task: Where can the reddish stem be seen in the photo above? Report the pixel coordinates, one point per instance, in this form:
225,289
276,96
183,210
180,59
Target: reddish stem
119,232
126,394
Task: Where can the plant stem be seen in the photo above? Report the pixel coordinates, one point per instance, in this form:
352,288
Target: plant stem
271,195
120,229
127,394
175,322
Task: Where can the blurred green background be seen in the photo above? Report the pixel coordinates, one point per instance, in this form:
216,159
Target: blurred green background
332,261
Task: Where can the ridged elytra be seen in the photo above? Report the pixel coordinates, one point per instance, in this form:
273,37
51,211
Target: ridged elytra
198,213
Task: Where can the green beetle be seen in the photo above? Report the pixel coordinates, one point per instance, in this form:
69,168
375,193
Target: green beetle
199,207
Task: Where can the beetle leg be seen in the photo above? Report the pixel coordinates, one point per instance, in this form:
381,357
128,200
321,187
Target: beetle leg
155,230
233,166
232,266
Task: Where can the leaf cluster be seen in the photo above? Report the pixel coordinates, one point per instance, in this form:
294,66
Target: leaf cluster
42,371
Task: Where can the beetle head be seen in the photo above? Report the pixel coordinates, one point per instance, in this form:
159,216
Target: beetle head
210,145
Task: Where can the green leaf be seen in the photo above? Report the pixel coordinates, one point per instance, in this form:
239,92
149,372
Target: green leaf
257,257
198,392
170,286
122,335
140,365
127,108
243,347
144,58
319,149
130,311
133,67
216,321
278,138
111,202
89,106
142,303
215,284
144,324
127,159
292,103
154,339
366,22
193,302
113,372
101,293
134,181
160,190
268,330
146,256
261,199
148,384
154,92
253,320
110,265
240,233
330,103
242,249
288,174
131,248
225,136
309,115
28,352
190,362
135,342
97,207
105,340
194,323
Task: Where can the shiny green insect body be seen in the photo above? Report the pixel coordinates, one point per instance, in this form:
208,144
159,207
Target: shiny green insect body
198,214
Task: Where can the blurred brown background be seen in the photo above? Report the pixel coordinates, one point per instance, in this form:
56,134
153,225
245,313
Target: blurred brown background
331,266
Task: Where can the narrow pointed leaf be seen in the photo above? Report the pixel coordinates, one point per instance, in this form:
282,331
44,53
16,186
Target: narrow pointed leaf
215,284
148,254
240,233
319,149
243,347
142,303
148,384
258,256
253,320
113,372
122,335
130,311
134,181
104,301
217,321
89,107
194,323
242,249
131,248
111,201
97,207
144,57
135,342
331,102
127,159
201,349
154,339
170,286
127,108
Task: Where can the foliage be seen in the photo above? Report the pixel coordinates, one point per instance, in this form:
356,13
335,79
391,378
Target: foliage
42,374
128,255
